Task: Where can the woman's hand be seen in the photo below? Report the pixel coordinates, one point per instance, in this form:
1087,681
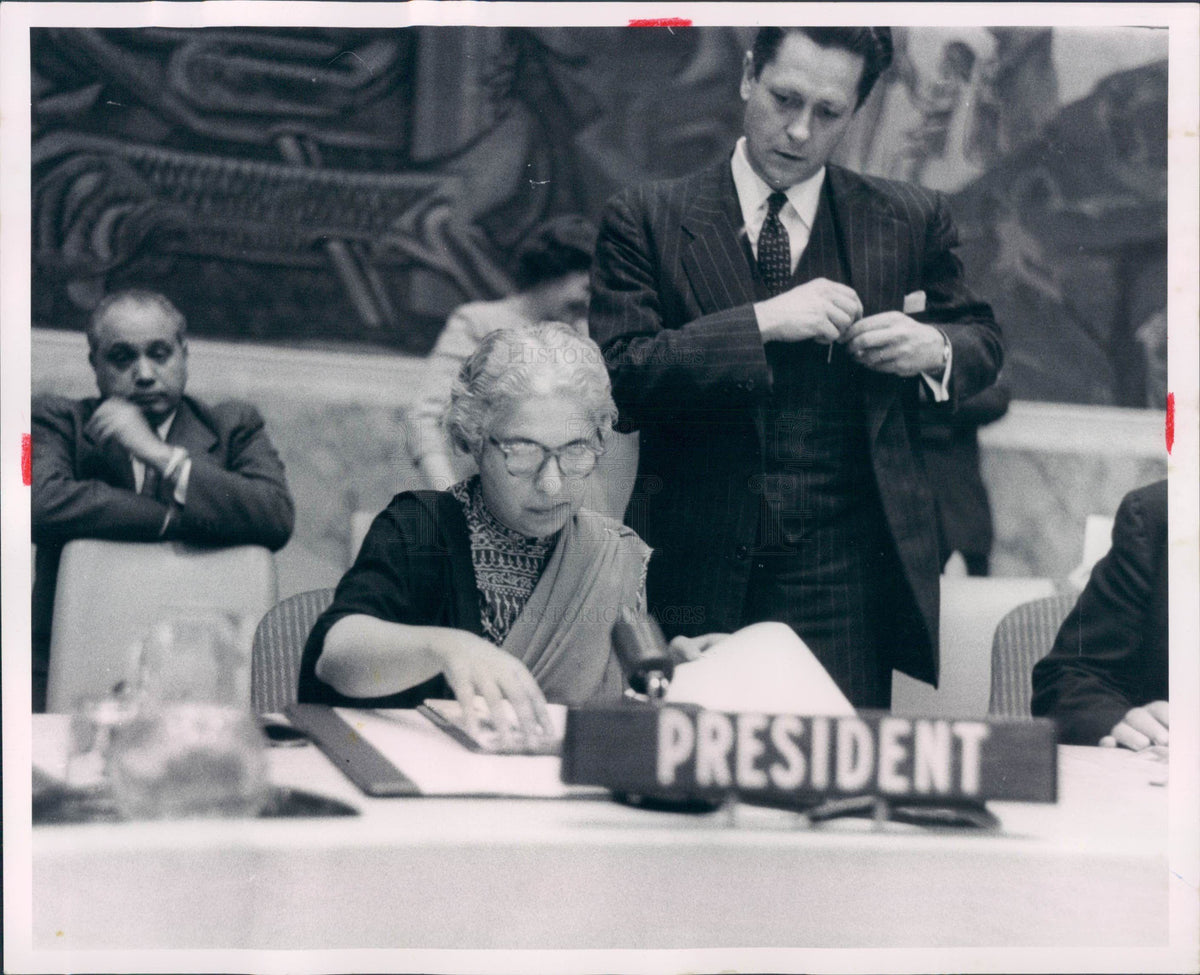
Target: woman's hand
473,667
685,648
367,657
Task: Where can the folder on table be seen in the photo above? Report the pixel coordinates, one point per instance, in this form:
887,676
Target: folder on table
360,761
405,752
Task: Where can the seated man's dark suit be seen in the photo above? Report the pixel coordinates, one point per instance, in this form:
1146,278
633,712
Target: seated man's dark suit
236,494
751,450
1111,653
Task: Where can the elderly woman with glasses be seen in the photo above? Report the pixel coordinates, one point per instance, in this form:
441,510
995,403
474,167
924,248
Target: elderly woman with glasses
501,587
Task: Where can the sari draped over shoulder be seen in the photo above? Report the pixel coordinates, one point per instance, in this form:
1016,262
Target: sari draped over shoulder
564,633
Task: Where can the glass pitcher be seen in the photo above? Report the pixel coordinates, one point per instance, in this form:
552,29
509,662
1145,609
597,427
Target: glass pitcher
193,748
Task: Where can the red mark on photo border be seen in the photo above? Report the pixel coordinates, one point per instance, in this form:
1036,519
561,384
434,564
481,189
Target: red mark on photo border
1170,421
26,459
661,22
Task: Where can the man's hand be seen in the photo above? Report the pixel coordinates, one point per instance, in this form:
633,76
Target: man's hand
819,309
893,342
473,666
685,648
1141,728
120,420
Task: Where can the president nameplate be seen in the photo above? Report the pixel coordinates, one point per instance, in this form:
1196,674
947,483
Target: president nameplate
682,751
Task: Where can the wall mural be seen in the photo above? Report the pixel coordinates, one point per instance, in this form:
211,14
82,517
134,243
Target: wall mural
324,187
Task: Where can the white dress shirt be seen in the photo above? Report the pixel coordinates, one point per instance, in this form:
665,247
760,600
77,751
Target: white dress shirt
797,216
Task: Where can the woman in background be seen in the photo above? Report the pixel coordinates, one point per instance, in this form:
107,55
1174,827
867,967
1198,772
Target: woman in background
552,277
501,587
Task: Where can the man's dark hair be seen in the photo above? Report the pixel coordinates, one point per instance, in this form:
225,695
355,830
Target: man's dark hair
872,44
556,247
135,296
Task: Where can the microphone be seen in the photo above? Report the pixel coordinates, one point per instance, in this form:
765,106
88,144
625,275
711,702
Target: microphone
642,652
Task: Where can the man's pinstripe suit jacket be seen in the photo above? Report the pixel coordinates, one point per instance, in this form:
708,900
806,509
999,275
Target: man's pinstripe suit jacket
673,287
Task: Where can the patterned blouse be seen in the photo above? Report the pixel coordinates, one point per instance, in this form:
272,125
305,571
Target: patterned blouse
507,564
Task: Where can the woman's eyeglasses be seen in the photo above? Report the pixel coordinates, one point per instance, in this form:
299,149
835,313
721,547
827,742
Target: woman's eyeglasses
525,457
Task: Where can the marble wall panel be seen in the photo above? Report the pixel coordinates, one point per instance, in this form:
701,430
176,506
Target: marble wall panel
338,423
1041,502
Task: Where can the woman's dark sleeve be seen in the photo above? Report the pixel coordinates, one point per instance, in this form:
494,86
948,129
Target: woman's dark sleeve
400,576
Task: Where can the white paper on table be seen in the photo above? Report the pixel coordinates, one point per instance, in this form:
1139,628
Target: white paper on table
762,669
487,738
439,765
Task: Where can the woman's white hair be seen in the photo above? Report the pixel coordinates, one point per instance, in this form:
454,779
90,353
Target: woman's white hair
512,364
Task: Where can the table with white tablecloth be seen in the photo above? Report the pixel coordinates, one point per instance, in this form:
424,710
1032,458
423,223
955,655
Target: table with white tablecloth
1089,870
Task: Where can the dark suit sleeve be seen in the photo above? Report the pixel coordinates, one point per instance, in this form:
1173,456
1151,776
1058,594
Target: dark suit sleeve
1093,674
66,505
982,408
951,306
245,500
655,358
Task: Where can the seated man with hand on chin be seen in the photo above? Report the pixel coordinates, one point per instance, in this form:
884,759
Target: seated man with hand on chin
144,462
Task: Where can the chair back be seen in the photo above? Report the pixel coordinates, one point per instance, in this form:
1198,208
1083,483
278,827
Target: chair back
1023,637
971,607
109,594
278,643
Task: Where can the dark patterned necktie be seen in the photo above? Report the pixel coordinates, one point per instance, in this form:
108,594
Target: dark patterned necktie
774,248
151,479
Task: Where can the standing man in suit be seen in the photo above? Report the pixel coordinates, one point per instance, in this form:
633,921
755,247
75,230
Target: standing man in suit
1106,679
755,320
144,462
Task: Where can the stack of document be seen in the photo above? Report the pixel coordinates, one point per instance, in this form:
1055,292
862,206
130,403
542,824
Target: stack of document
761,669
486,737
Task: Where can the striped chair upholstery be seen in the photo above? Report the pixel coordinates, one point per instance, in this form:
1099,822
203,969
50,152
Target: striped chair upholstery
1023,637
278,644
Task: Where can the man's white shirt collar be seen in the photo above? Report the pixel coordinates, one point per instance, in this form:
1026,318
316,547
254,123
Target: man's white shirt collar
803,199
